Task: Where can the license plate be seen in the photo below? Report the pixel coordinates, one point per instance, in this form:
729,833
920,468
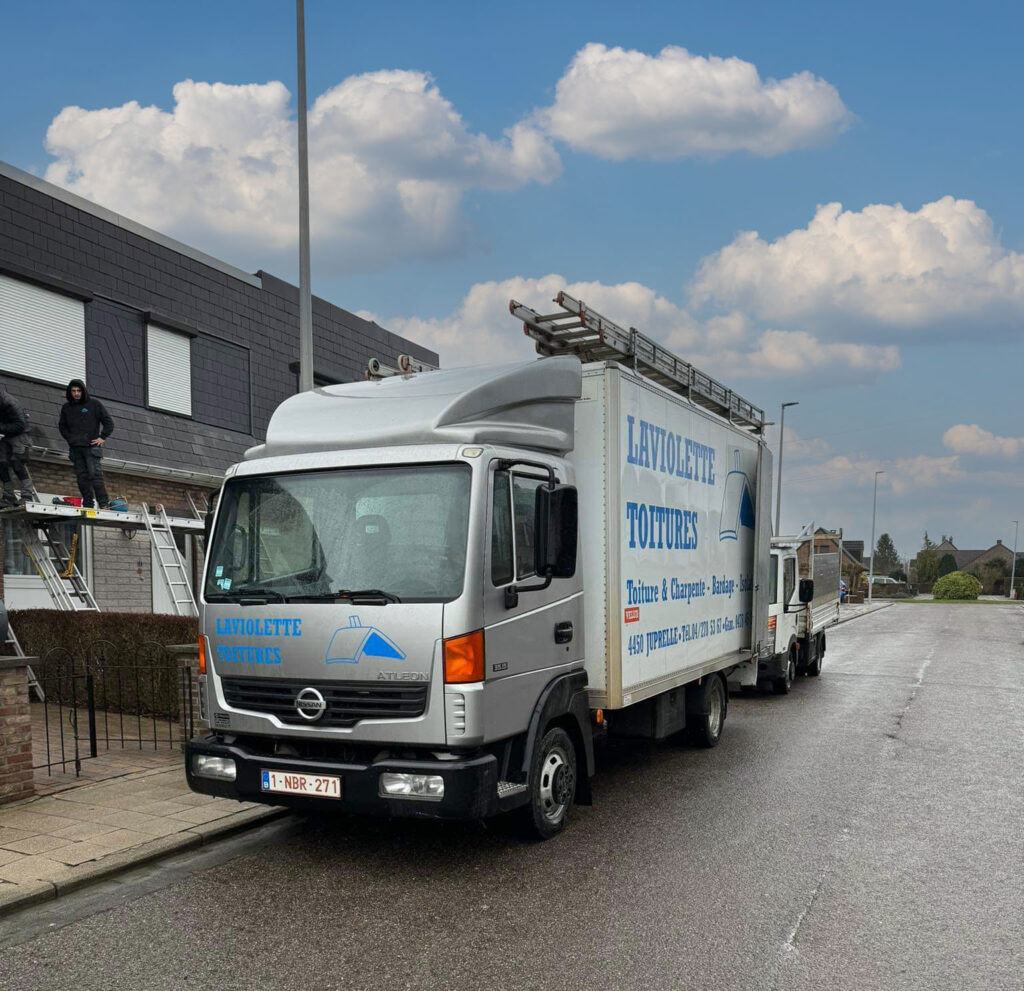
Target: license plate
293,783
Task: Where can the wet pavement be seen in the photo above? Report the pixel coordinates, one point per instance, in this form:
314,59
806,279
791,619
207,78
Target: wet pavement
865,832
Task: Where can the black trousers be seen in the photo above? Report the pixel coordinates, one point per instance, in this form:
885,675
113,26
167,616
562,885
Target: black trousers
88,462
14,453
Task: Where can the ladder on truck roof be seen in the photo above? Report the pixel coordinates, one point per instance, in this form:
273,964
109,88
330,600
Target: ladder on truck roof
581,331
171,563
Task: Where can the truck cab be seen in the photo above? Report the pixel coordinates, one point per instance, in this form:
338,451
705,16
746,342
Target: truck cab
803,599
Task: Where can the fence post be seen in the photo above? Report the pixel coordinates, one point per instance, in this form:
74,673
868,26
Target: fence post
15,730
188,695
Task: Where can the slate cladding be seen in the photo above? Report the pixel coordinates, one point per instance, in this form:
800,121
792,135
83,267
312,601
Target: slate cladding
244,329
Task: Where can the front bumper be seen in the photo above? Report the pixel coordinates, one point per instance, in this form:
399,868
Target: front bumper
470,784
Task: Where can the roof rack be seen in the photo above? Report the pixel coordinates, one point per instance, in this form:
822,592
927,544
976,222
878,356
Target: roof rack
579,330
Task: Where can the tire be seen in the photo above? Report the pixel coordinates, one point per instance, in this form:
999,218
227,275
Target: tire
783,685
814,668
706,729
552,786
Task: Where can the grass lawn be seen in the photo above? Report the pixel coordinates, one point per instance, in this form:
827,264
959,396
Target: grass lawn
961,602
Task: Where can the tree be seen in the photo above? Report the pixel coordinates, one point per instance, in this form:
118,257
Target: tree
947,565
927,563
886,558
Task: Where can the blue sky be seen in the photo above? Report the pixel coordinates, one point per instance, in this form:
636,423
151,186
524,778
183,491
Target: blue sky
462,154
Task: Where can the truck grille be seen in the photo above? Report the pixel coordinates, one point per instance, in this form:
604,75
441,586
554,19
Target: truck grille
347,701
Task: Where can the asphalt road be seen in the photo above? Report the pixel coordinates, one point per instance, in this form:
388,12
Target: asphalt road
865,832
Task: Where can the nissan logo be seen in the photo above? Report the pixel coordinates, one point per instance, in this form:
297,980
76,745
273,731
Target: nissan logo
310,704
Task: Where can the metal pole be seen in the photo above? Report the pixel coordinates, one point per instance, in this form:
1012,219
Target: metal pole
305,297
874,506
1013,563
778,490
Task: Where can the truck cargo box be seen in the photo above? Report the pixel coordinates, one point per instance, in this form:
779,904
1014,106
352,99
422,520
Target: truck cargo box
674,523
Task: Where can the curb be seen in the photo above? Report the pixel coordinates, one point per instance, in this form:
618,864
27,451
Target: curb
868,612
127,860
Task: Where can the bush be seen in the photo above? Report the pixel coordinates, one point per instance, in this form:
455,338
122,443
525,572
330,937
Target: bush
957,585
122,651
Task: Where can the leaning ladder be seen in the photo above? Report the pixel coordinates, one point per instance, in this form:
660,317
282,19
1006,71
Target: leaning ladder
33,682
172,564
579,330
57,568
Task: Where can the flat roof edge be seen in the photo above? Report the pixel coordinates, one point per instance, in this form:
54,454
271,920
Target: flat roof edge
81,203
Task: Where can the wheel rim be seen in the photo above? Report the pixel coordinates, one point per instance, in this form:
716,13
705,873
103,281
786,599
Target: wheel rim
790,671
715,715
556,785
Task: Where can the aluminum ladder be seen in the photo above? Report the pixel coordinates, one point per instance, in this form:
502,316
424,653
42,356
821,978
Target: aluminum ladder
581,331
172,564
66,584
13,647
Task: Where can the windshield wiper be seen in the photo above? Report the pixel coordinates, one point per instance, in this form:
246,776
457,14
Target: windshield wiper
368,595
240,594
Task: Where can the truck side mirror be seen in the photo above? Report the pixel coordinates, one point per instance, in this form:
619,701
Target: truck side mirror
556,523
806,589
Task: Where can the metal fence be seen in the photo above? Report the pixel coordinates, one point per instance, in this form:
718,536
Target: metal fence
97,700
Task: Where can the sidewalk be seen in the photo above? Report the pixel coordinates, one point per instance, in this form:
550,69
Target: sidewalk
53,844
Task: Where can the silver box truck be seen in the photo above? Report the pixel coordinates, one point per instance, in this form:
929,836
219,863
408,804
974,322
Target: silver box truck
428,595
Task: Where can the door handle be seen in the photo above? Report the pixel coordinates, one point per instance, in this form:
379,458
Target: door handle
563,632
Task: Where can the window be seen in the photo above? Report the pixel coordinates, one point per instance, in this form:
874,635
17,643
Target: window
501,531
168,370
512,525
18,562
788,580
311,534
773,579
42,333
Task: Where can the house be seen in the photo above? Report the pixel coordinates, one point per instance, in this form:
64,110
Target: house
189,354
829,542
991,566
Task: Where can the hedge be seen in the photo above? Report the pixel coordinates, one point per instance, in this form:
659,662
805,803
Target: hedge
121,650
957,585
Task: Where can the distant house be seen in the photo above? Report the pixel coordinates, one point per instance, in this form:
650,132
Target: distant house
828,541
992,566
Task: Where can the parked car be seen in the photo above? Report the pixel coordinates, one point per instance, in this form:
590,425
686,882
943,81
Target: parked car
884,580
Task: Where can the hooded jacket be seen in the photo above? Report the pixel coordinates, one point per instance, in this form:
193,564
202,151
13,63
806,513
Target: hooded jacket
13,418
83,421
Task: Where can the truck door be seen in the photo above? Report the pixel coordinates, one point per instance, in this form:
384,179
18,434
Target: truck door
527,645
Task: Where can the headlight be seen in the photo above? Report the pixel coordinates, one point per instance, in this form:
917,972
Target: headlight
428,787
218,768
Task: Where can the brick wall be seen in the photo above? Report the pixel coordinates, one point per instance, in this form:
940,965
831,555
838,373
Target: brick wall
15,733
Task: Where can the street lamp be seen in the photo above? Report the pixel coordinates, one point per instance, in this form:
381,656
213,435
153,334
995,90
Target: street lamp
778,493
874,507
305,293
1013,563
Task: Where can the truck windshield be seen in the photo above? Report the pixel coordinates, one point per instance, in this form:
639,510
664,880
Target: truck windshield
399,531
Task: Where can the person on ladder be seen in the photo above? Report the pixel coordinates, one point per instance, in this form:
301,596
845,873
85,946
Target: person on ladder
15,448
85,424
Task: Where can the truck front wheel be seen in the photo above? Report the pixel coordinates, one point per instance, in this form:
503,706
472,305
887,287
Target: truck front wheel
781,686
705,730
552,786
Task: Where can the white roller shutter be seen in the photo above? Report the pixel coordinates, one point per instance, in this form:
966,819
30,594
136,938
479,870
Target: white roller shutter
169,370
42,333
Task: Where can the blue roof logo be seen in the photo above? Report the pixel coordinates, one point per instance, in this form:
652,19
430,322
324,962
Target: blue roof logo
350,644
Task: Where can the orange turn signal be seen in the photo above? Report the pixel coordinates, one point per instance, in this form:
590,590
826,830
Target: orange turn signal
464,658
202,654
771,622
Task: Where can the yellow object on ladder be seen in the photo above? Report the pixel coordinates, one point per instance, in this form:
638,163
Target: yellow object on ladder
70,569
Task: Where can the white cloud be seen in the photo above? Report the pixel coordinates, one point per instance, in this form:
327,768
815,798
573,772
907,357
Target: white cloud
797,447
972,439
902,475
481,330
884,267
623,104
390,160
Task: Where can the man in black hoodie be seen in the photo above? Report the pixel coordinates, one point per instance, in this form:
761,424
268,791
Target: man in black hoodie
15,447
85,425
